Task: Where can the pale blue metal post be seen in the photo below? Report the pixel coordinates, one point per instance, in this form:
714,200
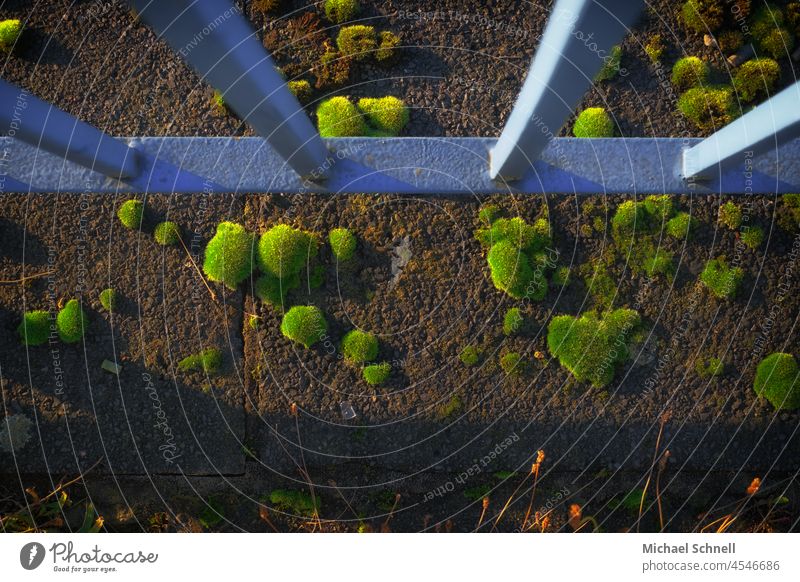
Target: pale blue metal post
763,129
42,125
576,44
214,37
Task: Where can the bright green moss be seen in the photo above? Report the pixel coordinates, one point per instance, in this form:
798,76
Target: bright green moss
470,356
593,122
338,11
659,209
387,115
654,49
513,321
689,72
357,41
9,33
611,65
229,255
629,219
387,47
343,243
488,214
778,380
730,214
339,117
657,261
34,328
592,346
359,347
283,251
681,225
219,102
71,322
300,89
769,32
167,233
271,290
295,502
752,236
530,238
512,272
208,361
109,299
703,15
376,374
709,367
130,214
304,324
512,364
756,79
723,281
709,108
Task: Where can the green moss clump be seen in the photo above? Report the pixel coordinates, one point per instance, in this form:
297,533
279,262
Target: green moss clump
789,212
689,72
681,225
300,89
629,219
778,380
71,322
387,115
517,257
654,49
304,324
271,290
167,233
208,361
229,255
752,236
283,251
109,299
723,281
730,41
561,277
34,328
709,108
512,364
657,261
359,347
591,346
611,65
659,209
219,102
769,32
513,321
593,122
756,79
357,41
295,502
470,356
339,117
488,214
9,33
709,367
730,214
599,283
703,15
343,243
130,214
376,374
338,11
387,47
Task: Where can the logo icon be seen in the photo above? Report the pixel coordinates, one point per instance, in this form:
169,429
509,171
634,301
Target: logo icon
31,555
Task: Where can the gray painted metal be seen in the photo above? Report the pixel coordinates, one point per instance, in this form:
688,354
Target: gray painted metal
214,38
431,166
761,130
575,46
29,119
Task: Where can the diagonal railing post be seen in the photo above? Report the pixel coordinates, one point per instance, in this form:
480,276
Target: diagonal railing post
577,42
42,125
765,128
214,37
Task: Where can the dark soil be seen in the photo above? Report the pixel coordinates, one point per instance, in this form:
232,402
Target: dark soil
236,434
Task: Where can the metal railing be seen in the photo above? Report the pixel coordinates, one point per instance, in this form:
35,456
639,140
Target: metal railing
51,151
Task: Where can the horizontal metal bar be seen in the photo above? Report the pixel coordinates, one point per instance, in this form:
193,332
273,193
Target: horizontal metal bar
760,130
214,37
25,117
424,165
